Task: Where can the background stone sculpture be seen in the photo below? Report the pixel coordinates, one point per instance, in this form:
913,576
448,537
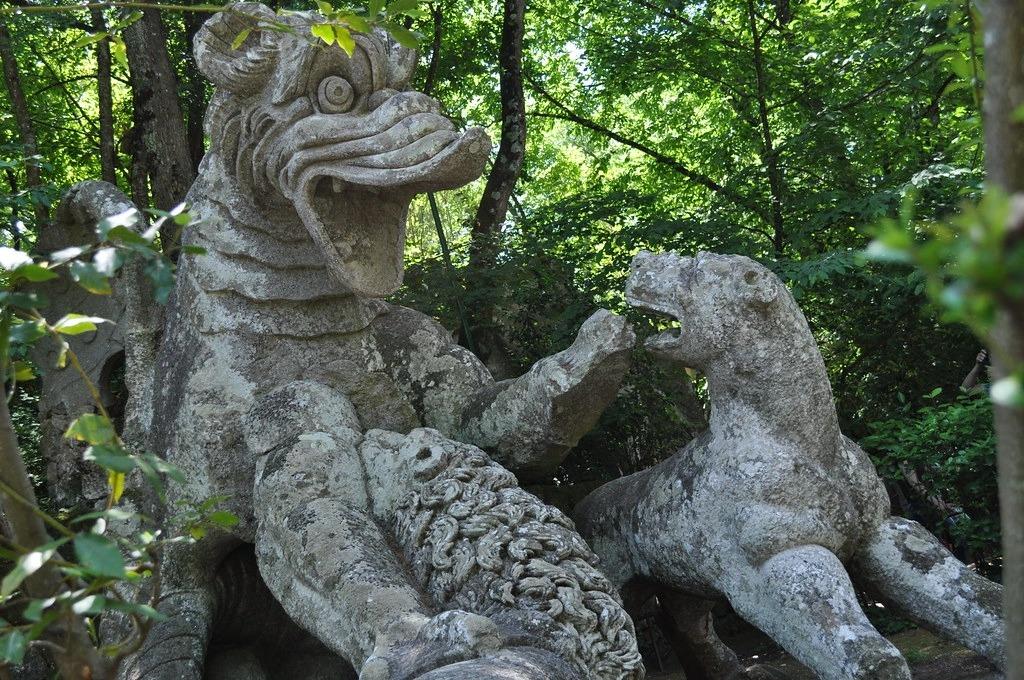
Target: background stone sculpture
284,383
769,504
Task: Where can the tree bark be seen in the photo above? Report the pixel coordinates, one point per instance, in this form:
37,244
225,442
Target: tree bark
108,150
158,115
75,656
195,92
493,207
1004,152
769,154
23,118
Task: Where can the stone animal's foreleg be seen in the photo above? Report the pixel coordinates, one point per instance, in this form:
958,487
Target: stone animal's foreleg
175,648
706,656
804,600
323,555
529,424
909,566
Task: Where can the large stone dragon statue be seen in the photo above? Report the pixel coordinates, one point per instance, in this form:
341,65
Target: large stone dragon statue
772,504
343,430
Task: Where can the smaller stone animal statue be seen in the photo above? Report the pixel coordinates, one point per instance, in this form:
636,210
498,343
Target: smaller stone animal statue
772,504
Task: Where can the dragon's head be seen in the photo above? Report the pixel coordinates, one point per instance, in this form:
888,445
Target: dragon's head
722,302
336,141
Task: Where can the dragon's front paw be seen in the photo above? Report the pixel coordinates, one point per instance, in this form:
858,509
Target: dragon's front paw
447,638
603,334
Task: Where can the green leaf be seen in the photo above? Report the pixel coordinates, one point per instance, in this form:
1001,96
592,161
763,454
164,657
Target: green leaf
22,371
117,49
89,39
11,259
89,277
323,31
1018,114
107,261
27,332
113,514
223,518
357,23
402,6
128,235
127,218
374,7
344,39
34,272
1008,391
111,457
91,428
13,646
240,38
76,324
194,250
65,254
403,36
324,7
99,555
23,300
28,564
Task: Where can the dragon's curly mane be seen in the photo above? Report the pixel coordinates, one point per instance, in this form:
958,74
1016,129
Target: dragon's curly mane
478,542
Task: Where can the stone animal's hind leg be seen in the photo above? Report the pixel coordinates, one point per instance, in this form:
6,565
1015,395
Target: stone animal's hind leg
803,599
909,566
692,632
175,648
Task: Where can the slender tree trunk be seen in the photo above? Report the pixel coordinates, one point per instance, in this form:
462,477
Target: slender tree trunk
158,115
23,118
195,92
770,155
76,657
493,207
1004,152
108,150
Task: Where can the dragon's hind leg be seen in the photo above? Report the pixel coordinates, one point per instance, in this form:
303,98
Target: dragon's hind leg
909,566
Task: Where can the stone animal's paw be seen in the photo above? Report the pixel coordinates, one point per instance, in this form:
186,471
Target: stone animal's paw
468,635
448,638
604,333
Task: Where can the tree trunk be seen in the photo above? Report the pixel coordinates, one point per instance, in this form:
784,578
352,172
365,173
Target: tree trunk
493,207
26,129
108,151
158,115
75,656
769,154
195,92
1004,152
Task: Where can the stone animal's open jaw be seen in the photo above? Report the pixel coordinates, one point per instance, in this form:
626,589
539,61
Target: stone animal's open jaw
355,208
667,340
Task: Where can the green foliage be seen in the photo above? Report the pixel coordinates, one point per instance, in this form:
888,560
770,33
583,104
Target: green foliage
102,569
951,446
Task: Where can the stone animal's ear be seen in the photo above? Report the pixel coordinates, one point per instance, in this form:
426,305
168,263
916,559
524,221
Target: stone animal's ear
242,70
401,64
759,287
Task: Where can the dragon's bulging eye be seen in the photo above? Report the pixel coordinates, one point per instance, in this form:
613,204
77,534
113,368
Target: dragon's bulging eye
335,95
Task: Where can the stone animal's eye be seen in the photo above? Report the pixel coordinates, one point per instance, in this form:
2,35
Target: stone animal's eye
335,95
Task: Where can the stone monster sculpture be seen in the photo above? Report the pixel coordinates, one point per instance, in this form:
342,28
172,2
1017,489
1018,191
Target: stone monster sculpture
285,383
768,505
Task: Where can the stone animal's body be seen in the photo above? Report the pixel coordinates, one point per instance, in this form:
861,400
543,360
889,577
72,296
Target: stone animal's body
285,382
768,505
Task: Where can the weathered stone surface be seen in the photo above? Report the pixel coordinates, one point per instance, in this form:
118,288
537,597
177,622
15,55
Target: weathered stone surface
285,383
64,395
769,504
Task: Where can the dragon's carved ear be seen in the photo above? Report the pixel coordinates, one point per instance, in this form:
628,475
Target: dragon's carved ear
401,64
242,70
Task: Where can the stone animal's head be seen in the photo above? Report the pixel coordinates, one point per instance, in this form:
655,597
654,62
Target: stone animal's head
722,302
314,136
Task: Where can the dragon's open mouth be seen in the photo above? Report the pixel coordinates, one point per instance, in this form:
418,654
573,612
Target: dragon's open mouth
352,193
